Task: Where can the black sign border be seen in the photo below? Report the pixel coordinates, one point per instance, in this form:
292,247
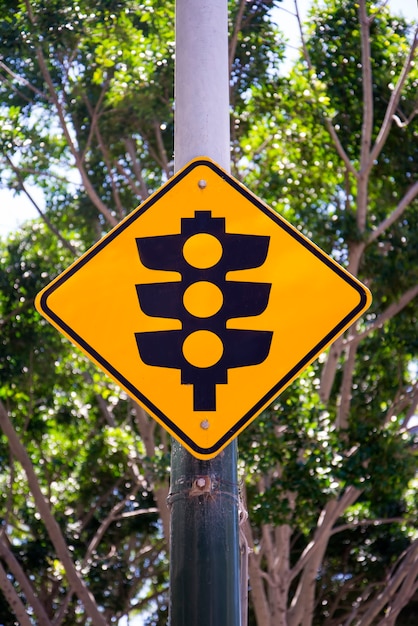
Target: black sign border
276,389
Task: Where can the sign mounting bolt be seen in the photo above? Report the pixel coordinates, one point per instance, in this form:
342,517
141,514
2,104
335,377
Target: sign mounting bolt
204,424
202,183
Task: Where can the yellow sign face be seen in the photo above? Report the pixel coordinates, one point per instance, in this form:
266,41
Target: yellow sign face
203,304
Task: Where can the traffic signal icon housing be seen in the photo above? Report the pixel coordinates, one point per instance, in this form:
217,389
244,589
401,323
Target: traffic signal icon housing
204,349
203,304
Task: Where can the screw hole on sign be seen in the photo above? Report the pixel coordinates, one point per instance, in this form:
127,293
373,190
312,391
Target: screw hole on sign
203,348
202,250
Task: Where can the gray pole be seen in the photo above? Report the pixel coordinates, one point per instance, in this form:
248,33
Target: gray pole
204,553
202,82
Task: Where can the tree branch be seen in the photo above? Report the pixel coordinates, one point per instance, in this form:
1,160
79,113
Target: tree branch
302,605
127,514
367,522
364,600
409,196
54,531
329,369
24,82
13,564
136,190
51,227
257,590
399,586
114,185
341,421
136,166
339,147
153,153
146,428
91,192
94,117
413,403
161,148
234,37
114,515
13,599
330,514
392,310
328,122
367,118
393,103
367,83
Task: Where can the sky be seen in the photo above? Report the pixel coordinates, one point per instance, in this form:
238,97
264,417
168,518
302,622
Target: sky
14,210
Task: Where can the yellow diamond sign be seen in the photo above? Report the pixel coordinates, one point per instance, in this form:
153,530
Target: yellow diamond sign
203,304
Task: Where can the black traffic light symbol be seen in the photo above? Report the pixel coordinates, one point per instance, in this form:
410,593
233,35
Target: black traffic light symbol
203,300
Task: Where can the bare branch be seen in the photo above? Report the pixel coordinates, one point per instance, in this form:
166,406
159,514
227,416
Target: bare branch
330,514
13,564
146,427
161,148
302,37
94,117
410,195
99,534
413,404
92,547
405,121
51,525
363,601
98,503
17,91
367,82
392,310
401,598
24,82
154,153
346,386
234,37
107,160
367,522
400,587
367,118
51,227
138,512
136,190
16,311
339,147
257,590
339,599
406,396
329,369
328,122
393,103
136,166
13,599
91,192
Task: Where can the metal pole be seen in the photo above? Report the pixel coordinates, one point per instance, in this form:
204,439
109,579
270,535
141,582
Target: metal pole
202,82
204,554
204,536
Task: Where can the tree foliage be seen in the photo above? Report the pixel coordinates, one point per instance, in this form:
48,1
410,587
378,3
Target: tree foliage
329,469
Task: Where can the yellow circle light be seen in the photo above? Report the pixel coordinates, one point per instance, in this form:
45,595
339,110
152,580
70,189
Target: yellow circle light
203,299
202,250
203,348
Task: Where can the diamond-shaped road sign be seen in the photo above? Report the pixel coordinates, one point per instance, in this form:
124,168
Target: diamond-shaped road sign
203,304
